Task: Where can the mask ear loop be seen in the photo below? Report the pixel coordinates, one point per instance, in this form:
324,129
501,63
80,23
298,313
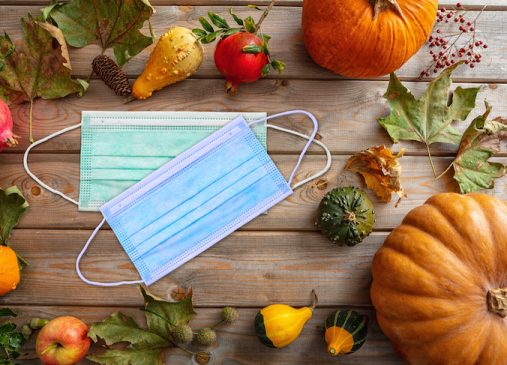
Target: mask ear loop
322,145
81,254
33,176
311,139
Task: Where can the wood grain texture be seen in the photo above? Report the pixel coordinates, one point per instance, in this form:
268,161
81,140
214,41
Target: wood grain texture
237,342
297,212
287,43
247,269
346,109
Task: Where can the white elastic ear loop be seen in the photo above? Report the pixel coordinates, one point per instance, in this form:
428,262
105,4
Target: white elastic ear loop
324,147
32,175
80,256
311,139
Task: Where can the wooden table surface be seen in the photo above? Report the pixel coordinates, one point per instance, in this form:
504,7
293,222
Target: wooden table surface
278,257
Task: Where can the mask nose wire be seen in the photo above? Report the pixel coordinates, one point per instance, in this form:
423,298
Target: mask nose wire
311,139
33,176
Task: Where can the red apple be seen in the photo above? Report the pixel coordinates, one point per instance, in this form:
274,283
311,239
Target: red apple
63,341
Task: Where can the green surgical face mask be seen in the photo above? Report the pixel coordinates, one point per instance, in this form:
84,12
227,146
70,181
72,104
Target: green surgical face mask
119,149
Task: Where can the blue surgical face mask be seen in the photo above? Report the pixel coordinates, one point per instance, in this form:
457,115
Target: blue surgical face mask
197,199
119,149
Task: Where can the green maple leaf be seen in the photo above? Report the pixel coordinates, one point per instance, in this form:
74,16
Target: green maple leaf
121,328
38,67
161,315
114,24
480,142
429,119
129,357
12,207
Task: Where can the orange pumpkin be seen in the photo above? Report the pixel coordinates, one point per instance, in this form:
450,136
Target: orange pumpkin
366,38
440,282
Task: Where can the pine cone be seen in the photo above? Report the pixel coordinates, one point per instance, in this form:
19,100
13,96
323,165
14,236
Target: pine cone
112,75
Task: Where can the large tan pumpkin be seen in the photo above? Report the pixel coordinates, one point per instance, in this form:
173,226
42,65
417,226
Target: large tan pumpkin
439,282
366,38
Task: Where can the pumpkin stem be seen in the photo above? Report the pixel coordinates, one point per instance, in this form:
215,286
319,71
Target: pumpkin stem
315,300
350,217
497,301
381,5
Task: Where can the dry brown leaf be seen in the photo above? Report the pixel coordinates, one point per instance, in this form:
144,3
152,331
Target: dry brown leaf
380,169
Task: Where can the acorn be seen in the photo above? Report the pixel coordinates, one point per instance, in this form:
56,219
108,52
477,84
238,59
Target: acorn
206,337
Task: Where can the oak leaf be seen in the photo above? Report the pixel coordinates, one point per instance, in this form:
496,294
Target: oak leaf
381,171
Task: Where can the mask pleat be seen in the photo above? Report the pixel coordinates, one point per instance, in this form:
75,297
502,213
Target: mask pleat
199,224
116,154
219,189
189,180
195,200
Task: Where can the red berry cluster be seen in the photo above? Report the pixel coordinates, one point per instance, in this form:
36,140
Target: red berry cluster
455,42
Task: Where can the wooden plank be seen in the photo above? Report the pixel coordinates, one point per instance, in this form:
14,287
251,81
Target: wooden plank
297,212
287,43
470,4
346,109
247,269
237,342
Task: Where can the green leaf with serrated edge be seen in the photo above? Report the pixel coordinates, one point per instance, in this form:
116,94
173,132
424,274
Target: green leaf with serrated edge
252,49
250,25
162,315
237,19
121,328
429,119
210,37
114,24
6,312
12,206
218,20
199,32
129,357
265,70
206,25
278,65
480,142
36,67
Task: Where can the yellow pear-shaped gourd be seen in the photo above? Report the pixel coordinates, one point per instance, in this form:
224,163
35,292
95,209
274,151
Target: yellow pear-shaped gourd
177,55
279,325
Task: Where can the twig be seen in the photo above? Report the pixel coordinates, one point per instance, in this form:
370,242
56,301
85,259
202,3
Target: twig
445,172
264,15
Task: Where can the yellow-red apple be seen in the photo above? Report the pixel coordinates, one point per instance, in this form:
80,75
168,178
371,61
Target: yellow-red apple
63,341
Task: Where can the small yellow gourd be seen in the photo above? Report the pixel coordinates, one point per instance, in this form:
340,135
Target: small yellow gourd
177,56
279,325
